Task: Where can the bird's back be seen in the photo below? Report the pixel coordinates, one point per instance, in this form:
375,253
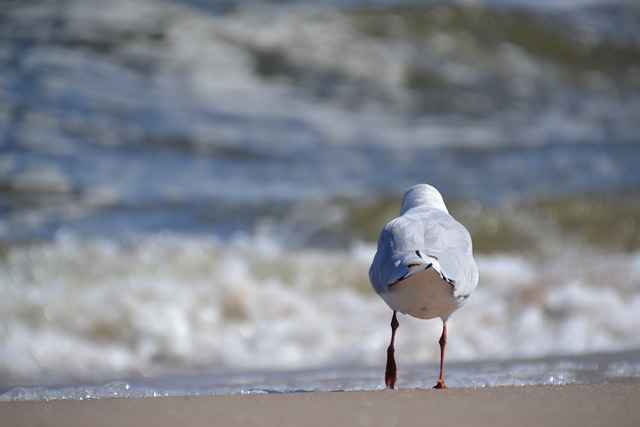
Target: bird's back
425,238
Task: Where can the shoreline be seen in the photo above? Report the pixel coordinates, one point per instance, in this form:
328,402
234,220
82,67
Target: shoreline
608,403
592,368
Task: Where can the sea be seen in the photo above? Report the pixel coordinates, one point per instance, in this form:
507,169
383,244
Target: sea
191,191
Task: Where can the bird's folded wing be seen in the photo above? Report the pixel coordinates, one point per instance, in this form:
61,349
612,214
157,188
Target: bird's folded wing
427,238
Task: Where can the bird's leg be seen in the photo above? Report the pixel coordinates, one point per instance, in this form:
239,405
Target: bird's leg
443,344
390,372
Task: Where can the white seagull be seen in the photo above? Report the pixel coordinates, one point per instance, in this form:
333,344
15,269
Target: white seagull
423,267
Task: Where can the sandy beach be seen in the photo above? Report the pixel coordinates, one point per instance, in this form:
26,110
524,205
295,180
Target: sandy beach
612,403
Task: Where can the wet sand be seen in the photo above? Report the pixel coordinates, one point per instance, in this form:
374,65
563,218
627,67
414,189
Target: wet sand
604,404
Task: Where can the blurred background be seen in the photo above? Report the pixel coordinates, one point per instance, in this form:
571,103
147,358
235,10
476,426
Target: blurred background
197,186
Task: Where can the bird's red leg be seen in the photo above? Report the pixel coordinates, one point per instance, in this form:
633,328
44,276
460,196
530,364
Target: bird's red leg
443,344
390,372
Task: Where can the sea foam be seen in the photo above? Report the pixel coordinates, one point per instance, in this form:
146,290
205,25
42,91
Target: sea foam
80,309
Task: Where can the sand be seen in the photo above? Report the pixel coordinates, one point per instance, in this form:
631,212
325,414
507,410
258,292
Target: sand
604,404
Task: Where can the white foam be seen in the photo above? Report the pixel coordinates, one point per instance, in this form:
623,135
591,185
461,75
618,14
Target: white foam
86,309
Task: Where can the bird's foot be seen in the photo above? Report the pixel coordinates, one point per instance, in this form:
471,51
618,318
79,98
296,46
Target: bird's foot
440,384
390,374
390,382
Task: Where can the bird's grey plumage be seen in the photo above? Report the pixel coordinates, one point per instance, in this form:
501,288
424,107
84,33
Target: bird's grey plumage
429,246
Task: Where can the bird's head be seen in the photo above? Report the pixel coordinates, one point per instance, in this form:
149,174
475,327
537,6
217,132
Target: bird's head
422,195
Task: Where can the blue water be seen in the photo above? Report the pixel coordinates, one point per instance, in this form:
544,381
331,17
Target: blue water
166,167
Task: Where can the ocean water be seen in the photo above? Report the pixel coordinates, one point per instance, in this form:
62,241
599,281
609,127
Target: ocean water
190,191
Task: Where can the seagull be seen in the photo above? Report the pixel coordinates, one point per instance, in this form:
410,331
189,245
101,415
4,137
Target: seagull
423,266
